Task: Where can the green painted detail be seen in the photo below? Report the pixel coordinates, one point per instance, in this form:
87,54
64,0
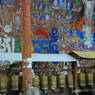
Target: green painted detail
18,46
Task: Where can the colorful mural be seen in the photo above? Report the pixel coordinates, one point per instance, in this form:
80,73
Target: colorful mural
57,26
66,23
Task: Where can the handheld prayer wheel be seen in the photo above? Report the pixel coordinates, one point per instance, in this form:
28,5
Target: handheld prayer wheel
44,82
61,80
90,78
82,79
53,82
70,80
14,82
36,81
3,83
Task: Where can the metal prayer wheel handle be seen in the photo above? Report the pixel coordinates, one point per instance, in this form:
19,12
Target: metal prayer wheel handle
82,80
53,82
36,81
61,81
14,82
4,83
44,82
90,79
70,80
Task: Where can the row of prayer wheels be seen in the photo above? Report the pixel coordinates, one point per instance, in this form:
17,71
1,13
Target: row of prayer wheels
52,81
7,83
86,79
61,81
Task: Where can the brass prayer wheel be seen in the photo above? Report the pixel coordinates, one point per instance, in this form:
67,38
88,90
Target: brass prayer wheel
90,78
36,81
3,83
61,81
70,80
14,82
82,79
53,82
44,82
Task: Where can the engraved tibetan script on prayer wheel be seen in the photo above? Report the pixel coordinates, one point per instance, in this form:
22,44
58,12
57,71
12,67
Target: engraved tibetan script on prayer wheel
44,82
82,79
36,81
14,82
61,81
70,81
3,83
53,82
90,78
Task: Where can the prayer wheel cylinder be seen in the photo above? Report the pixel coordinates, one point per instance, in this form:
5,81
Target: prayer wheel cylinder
44,82
14,82
82,79
36,81
3,83
90,78
70,81
53,82
61,81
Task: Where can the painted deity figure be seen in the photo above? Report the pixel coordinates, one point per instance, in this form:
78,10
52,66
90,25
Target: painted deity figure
55,4
61,3
88,36
89,9
86,28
